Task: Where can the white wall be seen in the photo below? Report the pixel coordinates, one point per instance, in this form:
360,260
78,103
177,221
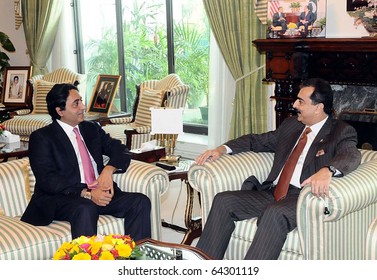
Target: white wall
7,25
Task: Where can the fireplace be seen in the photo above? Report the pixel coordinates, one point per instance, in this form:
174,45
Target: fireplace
348,64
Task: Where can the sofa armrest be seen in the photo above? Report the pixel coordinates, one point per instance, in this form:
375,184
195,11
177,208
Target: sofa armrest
371,242
354,193
227,173
147,179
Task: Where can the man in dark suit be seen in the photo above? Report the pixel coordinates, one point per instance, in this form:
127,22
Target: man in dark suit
278,19
330,151
306,18
61,192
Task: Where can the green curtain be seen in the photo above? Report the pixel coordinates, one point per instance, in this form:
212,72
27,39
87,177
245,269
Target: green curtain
41,21
234,25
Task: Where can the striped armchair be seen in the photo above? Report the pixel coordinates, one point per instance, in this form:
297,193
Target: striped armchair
23,241
133,131
25,122
340,235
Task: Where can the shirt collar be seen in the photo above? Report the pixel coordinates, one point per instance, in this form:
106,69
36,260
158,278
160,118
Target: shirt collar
317,127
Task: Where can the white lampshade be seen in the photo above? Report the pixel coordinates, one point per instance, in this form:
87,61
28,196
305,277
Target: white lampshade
166,121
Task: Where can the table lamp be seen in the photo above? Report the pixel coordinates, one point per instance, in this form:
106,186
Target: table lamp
166,124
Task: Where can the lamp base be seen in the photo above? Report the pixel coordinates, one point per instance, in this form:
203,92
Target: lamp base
170,158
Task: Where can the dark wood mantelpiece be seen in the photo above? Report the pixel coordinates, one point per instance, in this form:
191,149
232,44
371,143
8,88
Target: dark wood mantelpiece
350,61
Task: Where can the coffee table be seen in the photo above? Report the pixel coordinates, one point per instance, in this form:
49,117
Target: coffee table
158,250
17,150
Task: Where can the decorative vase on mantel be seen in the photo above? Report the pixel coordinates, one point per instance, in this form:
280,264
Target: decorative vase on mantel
365,13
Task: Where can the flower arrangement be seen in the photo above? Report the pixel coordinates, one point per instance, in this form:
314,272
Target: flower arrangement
2,129
365,13
98,247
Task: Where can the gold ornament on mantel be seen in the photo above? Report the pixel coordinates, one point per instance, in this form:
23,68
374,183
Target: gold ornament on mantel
17,13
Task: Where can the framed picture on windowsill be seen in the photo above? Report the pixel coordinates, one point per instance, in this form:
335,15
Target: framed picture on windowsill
103,94
16,91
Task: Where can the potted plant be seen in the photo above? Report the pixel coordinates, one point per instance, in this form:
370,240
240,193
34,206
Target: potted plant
295,7
7,45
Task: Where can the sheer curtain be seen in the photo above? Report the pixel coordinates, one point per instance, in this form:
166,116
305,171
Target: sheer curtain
40,21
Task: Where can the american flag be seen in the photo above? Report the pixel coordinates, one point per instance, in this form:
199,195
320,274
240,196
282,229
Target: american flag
274,7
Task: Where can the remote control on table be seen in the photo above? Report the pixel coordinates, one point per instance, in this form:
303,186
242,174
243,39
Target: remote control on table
166,166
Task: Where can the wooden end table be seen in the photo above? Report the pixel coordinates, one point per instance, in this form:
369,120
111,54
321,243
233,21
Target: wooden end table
193,226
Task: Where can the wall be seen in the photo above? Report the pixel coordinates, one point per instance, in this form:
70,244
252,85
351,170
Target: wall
7,25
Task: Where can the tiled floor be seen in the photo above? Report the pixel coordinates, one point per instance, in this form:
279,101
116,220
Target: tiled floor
173,204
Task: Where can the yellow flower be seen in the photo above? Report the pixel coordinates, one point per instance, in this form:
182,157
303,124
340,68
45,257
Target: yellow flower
106,255
82,256
124,250
96,246
59,254
291,25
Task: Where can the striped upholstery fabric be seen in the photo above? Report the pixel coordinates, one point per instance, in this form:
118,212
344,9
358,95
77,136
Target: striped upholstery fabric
340,235
40,93
177,93
149,98
25,124
371,242
20,240
149,180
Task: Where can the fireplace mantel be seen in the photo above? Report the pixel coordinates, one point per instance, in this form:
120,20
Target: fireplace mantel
344,61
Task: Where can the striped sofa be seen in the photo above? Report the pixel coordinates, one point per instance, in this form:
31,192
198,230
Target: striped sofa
340,235
151,93
19,240
25,122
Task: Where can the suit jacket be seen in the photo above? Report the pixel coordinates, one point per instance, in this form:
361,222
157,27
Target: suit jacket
276,19
310,17
335,144
55,166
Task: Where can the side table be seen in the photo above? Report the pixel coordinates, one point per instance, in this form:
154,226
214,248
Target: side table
193,226
11,150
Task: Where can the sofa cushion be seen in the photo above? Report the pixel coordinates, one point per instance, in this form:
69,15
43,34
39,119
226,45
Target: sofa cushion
41,90
149,98
19,240
25,125
13,198
29,180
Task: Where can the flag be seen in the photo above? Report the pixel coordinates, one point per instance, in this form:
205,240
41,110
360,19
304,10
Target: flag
274,7
313,7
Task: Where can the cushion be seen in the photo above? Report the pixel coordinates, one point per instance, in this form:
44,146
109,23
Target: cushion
149,98
41,90
29,180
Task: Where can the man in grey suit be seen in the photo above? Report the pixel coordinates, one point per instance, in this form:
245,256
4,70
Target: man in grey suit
61,192
330,151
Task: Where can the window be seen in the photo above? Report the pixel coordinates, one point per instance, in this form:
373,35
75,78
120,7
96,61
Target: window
147,39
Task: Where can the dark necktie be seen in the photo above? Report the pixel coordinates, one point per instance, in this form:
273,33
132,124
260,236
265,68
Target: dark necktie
282,186
85,159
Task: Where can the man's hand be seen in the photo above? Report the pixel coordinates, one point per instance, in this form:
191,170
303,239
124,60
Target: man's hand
320,182
104,192
211,155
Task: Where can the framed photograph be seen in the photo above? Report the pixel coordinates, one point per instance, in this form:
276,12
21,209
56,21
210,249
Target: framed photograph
103,94
15,87
296,19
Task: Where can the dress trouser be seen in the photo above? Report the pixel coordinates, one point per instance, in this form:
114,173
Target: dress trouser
83,214
275,221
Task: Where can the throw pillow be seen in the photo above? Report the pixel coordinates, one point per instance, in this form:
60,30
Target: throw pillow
41,89
29,180
149,98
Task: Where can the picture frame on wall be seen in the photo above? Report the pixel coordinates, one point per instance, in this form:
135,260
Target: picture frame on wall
16,91
296,19
103,94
